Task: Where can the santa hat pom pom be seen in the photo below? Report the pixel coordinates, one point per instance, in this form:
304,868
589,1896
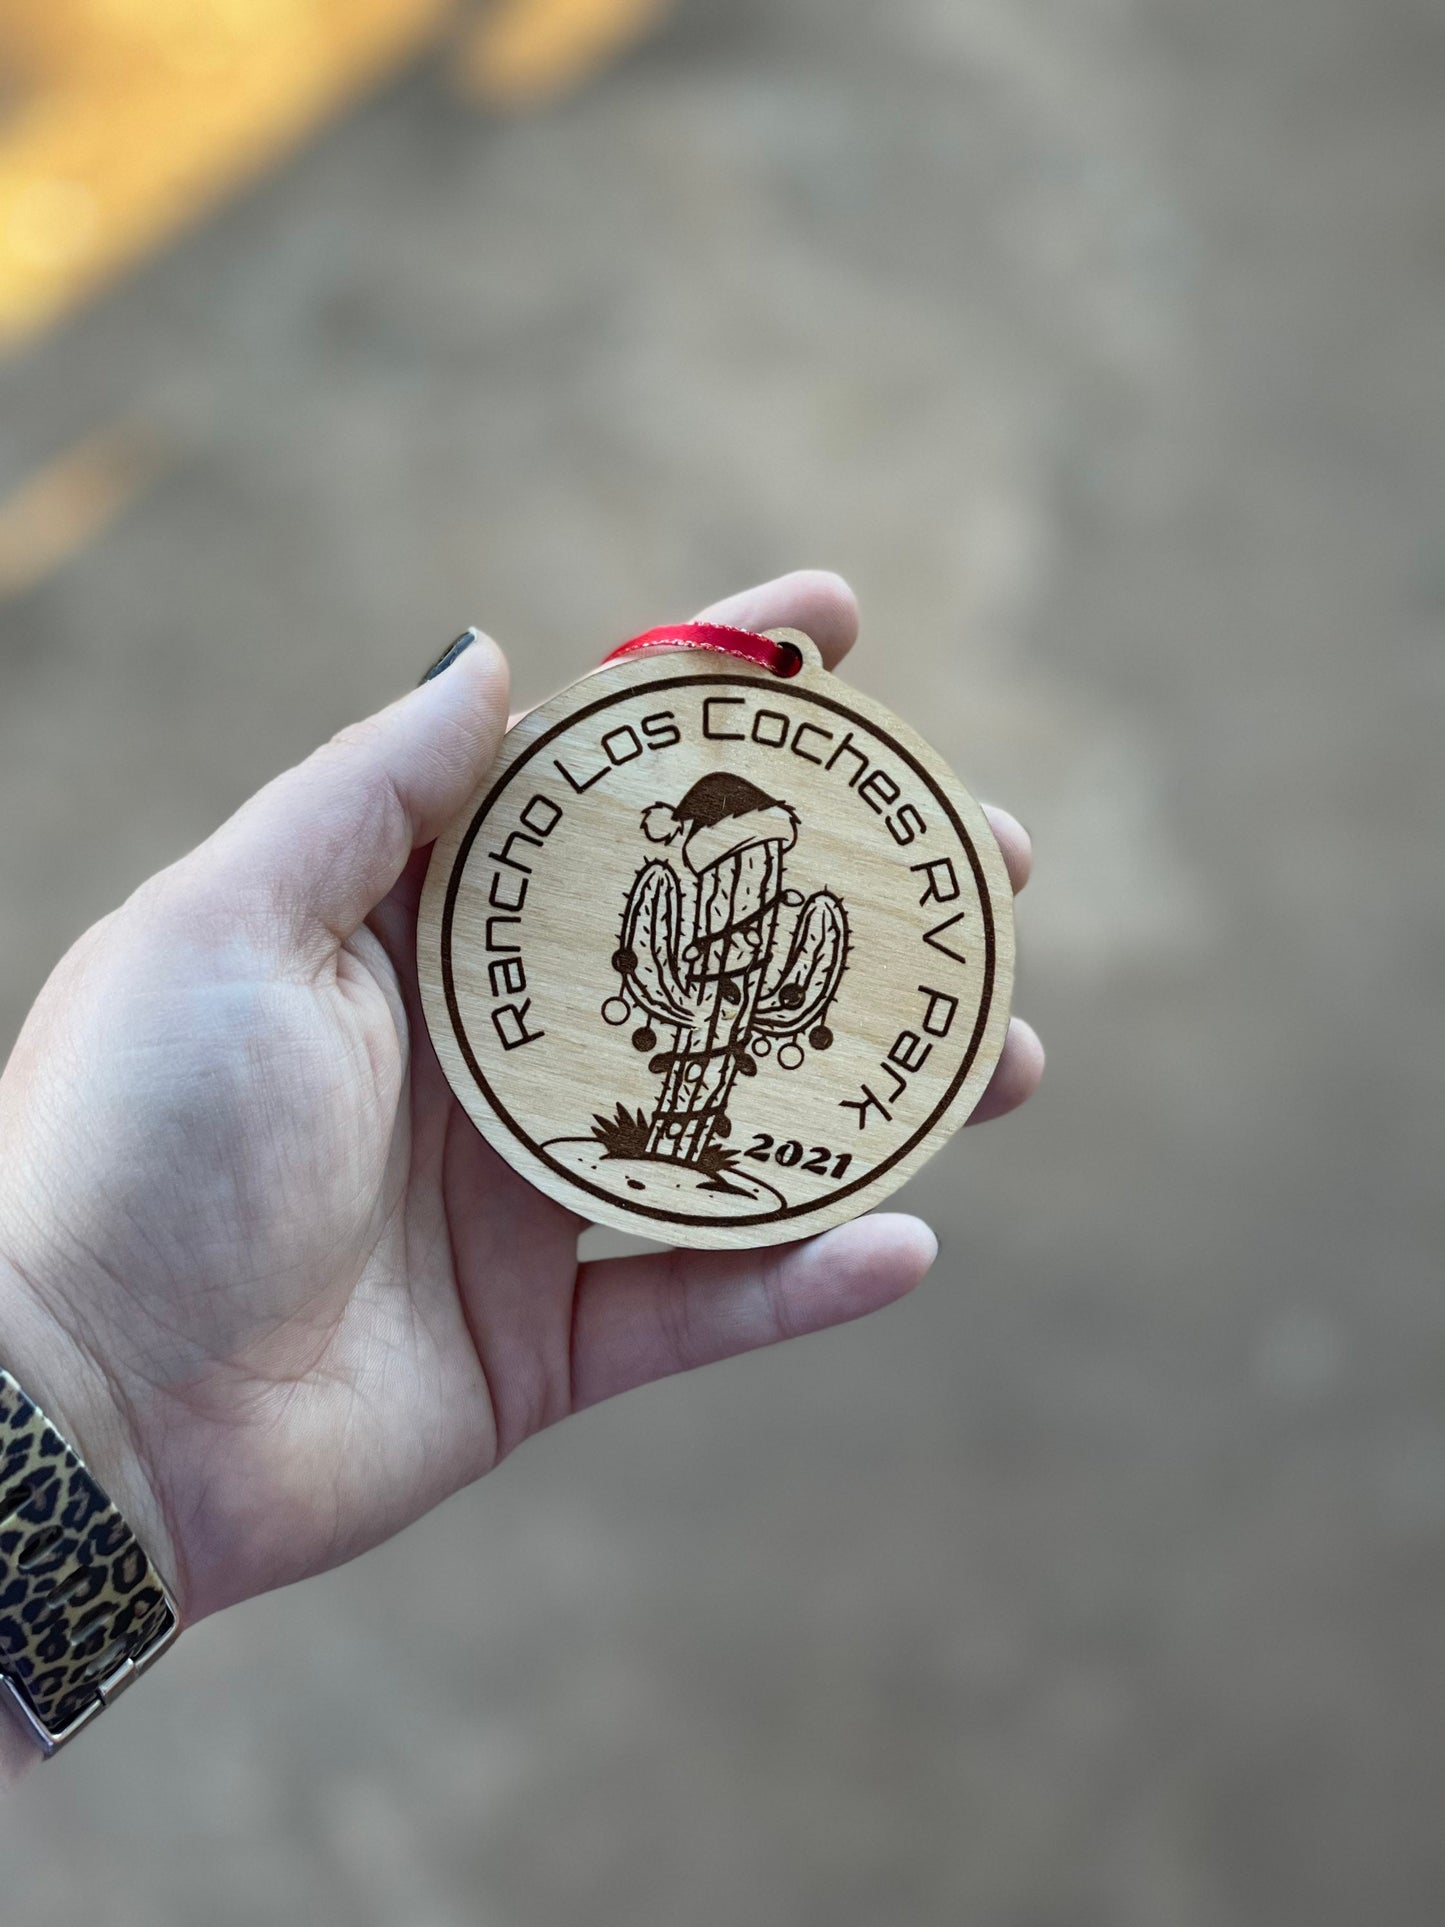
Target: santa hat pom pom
660,823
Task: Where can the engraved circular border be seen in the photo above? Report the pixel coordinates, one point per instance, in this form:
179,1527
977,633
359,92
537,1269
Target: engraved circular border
459,865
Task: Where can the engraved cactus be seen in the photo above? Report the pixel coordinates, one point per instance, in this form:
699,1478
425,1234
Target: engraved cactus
734,967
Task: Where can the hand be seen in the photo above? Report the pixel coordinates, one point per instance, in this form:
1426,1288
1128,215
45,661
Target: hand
255,1259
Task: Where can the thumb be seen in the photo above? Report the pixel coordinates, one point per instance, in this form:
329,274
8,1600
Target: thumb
315,851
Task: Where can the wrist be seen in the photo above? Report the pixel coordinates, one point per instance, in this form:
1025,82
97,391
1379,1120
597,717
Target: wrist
86,1403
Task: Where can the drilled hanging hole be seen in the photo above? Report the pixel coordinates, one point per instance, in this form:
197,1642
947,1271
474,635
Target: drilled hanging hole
36,1547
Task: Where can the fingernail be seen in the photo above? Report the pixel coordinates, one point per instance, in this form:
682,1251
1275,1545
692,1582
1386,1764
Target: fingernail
449,655
997,809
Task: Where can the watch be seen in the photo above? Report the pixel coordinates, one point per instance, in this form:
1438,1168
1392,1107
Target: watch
82,1609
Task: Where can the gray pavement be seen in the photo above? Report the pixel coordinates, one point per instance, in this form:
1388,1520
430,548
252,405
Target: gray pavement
1103,1583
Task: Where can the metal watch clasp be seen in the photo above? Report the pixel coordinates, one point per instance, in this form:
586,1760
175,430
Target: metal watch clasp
107,1690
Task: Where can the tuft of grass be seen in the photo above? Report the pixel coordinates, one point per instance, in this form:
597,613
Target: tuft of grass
624,1135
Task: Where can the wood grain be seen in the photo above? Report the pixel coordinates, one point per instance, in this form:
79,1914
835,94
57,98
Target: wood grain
717,957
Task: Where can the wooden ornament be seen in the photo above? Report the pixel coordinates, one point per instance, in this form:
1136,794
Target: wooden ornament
714,956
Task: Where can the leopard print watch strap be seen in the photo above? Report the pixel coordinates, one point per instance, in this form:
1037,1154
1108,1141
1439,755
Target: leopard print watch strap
82,1610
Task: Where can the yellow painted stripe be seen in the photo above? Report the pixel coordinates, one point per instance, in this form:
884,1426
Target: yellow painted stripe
134,117
522,51
67,505
139,116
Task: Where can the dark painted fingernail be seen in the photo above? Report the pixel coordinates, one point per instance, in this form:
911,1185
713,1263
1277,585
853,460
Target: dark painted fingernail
450,653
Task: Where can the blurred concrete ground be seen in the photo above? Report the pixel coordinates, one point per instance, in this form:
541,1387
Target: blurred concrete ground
1103,1584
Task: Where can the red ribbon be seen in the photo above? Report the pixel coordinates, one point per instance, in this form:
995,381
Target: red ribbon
782,658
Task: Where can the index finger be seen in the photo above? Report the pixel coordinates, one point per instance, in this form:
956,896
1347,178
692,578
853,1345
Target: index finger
814,600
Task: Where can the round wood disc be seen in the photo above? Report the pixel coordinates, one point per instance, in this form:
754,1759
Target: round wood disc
714,956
